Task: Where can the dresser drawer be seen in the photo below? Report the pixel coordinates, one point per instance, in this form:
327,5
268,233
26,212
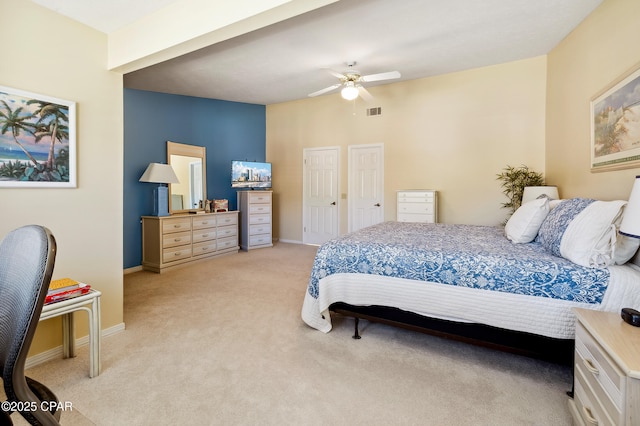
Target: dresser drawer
259,209
176,253
259,219
205,222
225,243
598,368
416,197
589,408
226,231
200,235
176,239
258,240
259,229
259,198
415,217
176,225
227,219
204,248
415,208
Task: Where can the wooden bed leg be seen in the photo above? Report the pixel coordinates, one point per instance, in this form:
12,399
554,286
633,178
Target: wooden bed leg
356,334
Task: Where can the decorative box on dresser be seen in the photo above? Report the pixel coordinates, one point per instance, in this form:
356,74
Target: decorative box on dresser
170,241
417,205
606,370
255,219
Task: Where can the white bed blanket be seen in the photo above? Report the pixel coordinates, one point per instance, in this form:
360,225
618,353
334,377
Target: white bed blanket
538,315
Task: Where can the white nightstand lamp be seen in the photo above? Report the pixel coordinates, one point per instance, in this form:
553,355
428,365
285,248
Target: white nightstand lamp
530,193
161,174
630,225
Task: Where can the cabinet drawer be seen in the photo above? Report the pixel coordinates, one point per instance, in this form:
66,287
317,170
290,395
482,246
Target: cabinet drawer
204,248
259,229
225,243
176,225
226,231
414,217
598,367
589,408
227,219
176,253
257,197
205,222
176,239
415,208
259,240
206,234
415,197
259,218
259,209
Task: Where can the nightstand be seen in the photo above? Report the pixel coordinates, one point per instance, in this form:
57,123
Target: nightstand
606,370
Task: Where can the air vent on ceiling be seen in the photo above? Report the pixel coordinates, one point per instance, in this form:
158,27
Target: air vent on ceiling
374,111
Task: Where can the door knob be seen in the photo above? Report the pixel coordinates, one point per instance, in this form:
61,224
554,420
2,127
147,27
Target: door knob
333,204
377,204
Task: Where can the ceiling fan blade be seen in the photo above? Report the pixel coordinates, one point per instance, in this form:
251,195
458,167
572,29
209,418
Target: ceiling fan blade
382,76
364,94
325,90
336,74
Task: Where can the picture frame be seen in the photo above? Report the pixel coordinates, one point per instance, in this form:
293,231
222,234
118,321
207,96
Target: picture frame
37,140
615,124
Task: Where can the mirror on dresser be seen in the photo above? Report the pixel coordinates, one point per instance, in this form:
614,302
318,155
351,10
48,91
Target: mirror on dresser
190,165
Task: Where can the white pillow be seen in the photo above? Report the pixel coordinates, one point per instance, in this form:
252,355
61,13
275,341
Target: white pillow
523,225
590,237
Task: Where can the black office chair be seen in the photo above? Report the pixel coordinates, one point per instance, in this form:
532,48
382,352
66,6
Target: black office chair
27,256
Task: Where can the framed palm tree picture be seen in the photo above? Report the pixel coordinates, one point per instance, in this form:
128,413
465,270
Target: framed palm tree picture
37,140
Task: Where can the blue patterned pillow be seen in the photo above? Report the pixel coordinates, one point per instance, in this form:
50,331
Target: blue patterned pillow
557,221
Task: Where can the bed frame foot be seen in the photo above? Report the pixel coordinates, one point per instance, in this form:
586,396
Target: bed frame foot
356,335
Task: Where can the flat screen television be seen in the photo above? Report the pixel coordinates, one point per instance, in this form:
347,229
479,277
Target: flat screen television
250,175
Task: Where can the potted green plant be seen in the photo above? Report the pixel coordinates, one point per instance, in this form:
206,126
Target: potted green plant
513,180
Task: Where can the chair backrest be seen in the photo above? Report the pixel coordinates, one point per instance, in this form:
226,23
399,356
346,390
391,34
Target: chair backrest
27,257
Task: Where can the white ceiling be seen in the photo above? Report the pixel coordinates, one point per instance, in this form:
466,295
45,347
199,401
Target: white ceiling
287,61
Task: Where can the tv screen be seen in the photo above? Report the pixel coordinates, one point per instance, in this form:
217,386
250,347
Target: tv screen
250,175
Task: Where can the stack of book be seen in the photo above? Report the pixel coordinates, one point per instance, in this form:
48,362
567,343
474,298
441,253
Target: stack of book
65,288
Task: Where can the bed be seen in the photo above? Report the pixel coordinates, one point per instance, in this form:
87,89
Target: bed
481,283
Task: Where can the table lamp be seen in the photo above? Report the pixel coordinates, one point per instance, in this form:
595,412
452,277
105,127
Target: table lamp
630,225
530,193
161,174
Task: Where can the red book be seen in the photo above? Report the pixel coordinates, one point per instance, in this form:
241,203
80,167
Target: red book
64,295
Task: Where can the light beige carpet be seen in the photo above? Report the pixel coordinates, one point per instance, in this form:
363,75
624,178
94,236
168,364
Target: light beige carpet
222,343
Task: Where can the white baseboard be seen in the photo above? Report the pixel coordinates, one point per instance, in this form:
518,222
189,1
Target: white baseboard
56,352
290,241
133,269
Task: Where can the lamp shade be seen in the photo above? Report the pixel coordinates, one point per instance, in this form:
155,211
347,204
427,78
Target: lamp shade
530,193
350,91
630,225
159,173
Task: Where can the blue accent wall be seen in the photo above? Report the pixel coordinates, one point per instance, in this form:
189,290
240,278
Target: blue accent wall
229,131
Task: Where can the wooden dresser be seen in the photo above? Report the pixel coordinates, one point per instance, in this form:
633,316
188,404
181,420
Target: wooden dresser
606,370
420,205
170,241
255,219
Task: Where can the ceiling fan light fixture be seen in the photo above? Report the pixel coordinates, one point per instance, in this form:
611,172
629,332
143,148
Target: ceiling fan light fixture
350,91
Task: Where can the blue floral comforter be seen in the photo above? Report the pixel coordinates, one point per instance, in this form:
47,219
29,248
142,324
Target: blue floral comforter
473,256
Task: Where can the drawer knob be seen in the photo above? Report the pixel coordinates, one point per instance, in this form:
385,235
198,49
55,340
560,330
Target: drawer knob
177,240
592,368
205,235
177,226
588,415
176,253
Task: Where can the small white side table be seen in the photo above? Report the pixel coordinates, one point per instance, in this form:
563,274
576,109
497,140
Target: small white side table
89,303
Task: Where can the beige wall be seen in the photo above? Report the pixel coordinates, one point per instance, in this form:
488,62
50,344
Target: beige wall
49,54
594,55
452,133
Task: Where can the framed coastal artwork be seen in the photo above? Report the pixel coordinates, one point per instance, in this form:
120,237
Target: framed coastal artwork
615,125
37,140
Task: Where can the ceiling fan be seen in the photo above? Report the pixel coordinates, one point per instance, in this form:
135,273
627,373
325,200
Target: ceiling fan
351,83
